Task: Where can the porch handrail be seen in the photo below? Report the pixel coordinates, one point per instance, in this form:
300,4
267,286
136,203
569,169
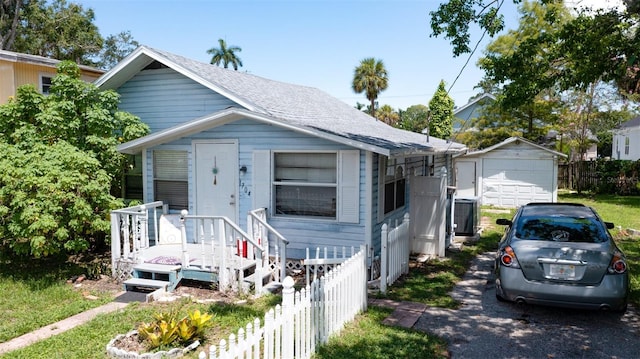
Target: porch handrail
130,232
281,255
224,276
268,226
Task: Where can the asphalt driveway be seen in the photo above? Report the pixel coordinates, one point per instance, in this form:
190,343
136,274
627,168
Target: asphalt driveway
486,328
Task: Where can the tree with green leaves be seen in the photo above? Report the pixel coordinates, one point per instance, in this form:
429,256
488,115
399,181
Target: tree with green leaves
593,46
116,48
415,118
441,113
58,162
60,30
225,55
388,115
371,78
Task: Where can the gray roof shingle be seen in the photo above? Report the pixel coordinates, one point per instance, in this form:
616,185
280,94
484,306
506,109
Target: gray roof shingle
300,106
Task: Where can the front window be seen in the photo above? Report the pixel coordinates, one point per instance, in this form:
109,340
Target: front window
626,145
170,182
305,184
394,185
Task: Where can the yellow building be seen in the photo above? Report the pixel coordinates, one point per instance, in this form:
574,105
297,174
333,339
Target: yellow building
19,69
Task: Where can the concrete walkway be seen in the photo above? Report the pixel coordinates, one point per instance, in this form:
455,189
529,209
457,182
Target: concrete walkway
66,324
405,314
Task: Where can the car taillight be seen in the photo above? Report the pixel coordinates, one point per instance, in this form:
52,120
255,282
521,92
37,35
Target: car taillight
508,258
618,264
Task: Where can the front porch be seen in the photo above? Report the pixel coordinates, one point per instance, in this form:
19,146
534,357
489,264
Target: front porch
153,250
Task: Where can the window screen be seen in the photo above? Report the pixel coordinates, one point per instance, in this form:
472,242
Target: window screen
170,183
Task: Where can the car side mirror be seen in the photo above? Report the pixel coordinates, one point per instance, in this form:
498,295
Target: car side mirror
609,225
504,222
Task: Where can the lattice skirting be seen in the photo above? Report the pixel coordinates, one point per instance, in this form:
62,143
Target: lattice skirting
124,269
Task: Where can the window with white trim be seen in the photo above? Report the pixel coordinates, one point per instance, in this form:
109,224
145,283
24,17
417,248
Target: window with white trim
305,184
626,145
394,188
45,83
170,178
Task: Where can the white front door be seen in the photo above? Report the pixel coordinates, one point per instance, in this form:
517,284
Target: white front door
216,178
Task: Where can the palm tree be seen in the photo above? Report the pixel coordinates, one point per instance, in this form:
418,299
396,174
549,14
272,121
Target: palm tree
388,115
225,55
371,78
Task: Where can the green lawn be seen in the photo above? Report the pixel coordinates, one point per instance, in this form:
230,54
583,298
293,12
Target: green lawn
34,293
26,296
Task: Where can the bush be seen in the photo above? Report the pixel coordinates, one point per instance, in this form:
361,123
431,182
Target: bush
167,331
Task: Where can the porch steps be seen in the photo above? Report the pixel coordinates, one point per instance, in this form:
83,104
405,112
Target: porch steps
154,276
144,285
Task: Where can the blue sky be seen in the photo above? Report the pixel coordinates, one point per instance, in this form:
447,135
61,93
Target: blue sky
306,42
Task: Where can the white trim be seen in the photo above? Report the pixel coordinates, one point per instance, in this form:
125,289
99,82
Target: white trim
145,173
230,115
136,56
473,102
368,198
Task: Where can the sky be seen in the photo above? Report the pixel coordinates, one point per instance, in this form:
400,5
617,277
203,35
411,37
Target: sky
315,43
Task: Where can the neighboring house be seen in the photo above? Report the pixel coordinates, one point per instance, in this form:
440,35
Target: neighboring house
226,142
463,116
20,69
626,141
509,174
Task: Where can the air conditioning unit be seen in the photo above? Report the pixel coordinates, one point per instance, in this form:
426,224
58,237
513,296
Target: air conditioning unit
466,216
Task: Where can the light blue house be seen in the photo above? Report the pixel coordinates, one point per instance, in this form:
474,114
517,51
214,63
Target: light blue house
224,143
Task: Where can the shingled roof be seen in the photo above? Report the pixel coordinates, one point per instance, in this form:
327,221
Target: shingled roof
298,107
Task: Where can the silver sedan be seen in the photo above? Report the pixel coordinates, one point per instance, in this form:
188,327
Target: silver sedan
561,254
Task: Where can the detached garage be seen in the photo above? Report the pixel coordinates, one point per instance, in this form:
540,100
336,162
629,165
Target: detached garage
509,174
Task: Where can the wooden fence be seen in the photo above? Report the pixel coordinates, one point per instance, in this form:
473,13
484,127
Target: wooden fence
395,252
305,319
579,176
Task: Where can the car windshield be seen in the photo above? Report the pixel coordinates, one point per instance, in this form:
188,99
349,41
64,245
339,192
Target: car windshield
561,229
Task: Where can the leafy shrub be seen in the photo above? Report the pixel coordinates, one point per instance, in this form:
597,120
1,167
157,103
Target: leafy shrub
167,330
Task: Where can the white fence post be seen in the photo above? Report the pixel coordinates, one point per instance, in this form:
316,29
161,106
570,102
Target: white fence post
183,234
407,247
384,258
288,312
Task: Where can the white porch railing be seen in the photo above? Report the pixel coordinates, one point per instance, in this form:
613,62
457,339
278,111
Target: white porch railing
130,229
305,319
395,253
224,238
223,246
258,227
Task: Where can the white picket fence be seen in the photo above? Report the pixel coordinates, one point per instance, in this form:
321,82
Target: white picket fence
305,319
395,251
325,260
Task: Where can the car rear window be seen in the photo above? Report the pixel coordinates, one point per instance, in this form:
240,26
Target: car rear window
561,229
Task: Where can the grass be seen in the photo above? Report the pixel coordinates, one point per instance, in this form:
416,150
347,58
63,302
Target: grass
34,293
89,340
365,337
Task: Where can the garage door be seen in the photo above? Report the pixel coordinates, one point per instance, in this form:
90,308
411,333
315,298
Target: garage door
512,183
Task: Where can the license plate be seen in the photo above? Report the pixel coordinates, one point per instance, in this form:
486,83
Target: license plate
562,271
